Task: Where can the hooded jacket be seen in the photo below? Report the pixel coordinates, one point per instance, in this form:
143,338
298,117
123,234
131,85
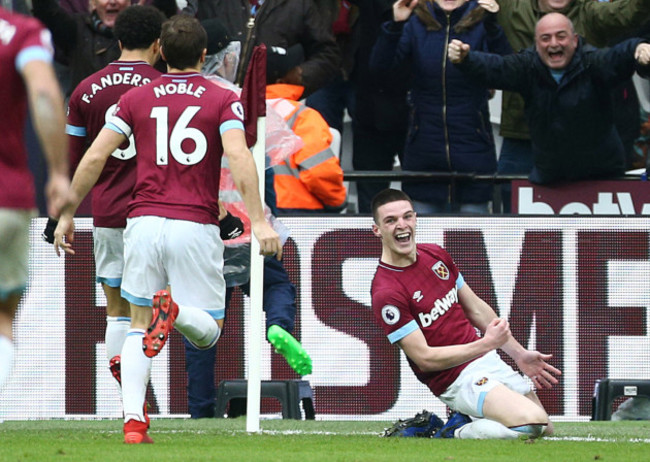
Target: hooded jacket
571,122
449,124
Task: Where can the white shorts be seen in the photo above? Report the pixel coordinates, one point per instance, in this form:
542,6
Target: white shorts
109,255
468,391
14,250
186,255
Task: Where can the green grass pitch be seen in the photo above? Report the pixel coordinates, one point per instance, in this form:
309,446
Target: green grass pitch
306,441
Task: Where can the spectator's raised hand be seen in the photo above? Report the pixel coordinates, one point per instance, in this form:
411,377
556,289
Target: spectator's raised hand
489,5
642,54
402,9
457,51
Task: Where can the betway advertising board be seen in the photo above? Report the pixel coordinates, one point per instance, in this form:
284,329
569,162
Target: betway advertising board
582,198
576,287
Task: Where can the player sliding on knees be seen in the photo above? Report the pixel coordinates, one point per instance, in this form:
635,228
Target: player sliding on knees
422,302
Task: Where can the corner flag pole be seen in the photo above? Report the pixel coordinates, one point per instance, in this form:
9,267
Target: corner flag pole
254,101
256,295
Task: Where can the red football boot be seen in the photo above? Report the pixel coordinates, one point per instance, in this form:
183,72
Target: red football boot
135,432
164,315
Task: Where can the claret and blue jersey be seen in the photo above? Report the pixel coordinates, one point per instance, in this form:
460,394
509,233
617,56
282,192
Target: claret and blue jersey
179,146
423,296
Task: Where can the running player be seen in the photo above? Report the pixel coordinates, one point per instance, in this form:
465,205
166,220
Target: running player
182,125
422,302
27,77
137,30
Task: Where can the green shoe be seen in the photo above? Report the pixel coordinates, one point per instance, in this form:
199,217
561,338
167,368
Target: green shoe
290,348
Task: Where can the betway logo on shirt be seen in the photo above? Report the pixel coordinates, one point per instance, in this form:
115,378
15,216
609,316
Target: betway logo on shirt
440,307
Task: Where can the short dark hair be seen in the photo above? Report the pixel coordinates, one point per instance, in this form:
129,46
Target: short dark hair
182,40
386,196
138,26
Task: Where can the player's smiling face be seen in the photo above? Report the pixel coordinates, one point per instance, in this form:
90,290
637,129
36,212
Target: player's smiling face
396,228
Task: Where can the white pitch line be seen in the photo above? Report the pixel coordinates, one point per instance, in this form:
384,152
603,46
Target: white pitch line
585,439
594,439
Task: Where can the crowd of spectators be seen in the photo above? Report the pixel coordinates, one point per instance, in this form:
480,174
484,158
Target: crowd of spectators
411,97
368,58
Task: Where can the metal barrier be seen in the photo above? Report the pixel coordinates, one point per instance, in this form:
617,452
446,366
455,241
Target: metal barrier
452,178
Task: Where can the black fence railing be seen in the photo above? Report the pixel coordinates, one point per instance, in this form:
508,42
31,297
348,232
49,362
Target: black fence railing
406,175
452,178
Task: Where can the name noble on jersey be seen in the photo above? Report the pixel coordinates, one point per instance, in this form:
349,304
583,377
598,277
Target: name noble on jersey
178,88
126,78
440,307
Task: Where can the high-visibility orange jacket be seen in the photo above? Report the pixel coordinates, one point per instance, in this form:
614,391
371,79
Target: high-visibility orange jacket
311,179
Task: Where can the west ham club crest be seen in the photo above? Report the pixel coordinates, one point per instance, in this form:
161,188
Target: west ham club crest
441,270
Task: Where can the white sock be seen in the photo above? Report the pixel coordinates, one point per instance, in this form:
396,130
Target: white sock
484,429
135,375
6,359
197,326
116,329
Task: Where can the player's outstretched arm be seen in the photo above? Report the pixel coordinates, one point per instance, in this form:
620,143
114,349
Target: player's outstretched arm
245,177
479,313
84,179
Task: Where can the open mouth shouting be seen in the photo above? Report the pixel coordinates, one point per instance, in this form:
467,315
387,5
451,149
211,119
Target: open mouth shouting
403,237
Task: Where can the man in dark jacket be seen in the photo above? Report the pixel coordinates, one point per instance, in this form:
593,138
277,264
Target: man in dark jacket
599,23
566,86
281,23
83,42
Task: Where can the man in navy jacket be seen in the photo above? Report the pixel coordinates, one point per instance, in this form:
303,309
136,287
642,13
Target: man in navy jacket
566,87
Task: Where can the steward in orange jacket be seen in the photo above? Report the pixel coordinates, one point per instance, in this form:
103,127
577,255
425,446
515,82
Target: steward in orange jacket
310,180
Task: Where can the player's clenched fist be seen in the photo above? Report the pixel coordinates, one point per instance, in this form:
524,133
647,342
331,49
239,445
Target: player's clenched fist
457,51
497,332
